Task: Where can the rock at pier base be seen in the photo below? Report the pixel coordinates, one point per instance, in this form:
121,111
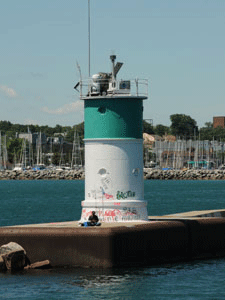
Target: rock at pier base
42,175
15,260
185,174
12,257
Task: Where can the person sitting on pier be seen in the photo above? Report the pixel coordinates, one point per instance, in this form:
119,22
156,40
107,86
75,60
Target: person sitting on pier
92,220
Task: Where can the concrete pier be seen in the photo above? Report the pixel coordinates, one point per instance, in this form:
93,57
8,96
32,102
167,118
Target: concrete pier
179,237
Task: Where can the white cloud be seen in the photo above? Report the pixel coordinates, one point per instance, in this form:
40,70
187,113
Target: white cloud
65,109
8,91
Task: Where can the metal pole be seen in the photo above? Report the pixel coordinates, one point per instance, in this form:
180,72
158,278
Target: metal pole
89,46
0,150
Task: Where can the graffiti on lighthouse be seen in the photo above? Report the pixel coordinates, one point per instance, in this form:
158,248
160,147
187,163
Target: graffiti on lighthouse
112,215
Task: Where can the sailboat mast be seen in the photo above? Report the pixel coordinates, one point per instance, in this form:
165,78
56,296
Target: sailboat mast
5,154
41,158
0,150
76,160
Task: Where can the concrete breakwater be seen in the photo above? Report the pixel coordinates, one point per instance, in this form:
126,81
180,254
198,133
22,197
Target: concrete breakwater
149,174
165,239
184,174
43,174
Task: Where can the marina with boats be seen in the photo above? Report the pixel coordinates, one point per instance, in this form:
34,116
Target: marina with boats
174,153
40,153
190,167
163,159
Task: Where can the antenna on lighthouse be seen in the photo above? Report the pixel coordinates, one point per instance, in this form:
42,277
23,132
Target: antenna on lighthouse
89,41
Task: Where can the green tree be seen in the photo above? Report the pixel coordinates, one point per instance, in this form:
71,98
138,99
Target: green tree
219,133
14,149
209,125
210,133
10,134
5,126
161,129
183,126
207,132
56,158
80,131
148,128
58,129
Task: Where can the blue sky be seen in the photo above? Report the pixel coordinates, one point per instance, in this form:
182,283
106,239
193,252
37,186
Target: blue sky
179,45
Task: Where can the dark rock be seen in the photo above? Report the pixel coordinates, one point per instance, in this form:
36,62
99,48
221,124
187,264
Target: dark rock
2,264
13,256
15,260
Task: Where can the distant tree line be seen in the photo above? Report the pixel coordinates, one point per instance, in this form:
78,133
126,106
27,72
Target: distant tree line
9,129
184,127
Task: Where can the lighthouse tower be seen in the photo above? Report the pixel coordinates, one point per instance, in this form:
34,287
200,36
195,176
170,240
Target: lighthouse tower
113,113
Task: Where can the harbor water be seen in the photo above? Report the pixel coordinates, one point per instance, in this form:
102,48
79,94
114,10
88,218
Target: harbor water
30,202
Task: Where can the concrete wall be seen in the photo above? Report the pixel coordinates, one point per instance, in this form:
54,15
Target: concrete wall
63,247
138,245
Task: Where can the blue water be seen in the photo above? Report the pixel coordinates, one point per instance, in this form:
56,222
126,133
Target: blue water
24,202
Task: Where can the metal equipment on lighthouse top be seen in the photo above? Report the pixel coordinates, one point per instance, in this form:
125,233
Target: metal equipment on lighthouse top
103,84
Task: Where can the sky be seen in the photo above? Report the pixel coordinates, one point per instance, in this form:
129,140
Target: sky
178,45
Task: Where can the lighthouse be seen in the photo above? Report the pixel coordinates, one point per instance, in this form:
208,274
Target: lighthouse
113,114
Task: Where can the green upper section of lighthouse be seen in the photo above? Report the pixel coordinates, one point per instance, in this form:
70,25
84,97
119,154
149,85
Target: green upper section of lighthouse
113,118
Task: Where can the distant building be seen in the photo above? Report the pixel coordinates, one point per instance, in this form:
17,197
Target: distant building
218,121
33,137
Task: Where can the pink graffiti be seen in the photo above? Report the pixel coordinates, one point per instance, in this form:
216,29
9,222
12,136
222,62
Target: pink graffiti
108,196
109,214
112,213
85,213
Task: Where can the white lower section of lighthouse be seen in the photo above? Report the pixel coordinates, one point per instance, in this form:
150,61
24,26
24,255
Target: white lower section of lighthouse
114,186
